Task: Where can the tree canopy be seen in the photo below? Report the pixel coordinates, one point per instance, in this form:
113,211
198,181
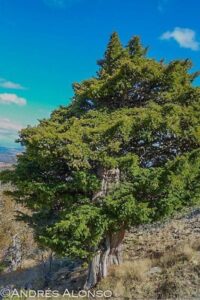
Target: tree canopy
139,116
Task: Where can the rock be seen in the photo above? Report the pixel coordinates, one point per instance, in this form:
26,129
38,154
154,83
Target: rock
155,270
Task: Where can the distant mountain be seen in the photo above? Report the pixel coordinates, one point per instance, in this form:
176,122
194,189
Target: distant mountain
8,155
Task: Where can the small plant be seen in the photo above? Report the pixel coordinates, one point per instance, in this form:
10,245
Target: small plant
3,266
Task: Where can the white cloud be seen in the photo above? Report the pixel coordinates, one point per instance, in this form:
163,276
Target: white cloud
6,98
10,84
8,131
9,127
185,37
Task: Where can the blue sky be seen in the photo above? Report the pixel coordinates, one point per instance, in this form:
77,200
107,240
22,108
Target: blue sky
48,44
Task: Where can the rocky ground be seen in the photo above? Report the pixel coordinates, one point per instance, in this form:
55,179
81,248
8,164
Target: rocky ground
162,261
154,240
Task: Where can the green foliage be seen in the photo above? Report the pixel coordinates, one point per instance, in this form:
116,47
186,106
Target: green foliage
138,115
113,55
135,48
3,266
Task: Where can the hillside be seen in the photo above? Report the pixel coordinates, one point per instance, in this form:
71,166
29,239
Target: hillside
161,261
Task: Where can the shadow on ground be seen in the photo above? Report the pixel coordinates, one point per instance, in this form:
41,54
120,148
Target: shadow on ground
60,276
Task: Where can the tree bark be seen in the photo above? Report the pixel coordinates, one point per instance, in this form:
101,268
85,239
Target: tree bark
110,253
110,250
108,178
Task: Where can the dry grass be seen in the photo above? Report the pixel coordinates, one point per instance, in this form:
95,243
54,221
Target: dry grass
196,245
136,270
121,278
9,228
173,275
182,253
178,276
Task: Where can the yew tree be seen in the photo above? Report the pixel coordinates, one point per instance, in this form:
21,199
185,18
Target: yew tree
125,151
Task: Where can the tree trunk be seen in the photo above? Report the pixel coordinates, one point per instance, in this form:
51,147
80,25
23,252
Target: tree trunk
110,253
108,178
110,250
